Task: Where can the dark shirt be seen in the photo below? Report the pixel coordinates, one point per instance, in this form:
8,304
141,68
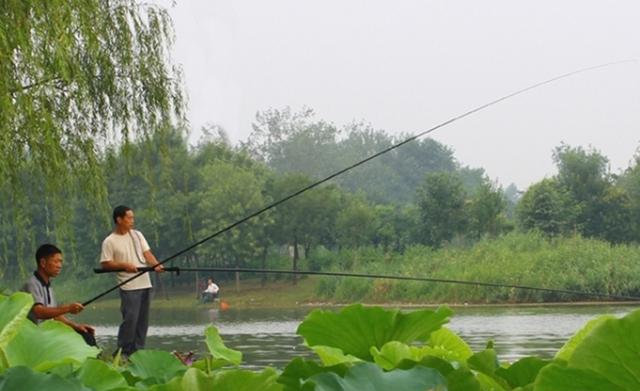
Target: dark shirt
41,293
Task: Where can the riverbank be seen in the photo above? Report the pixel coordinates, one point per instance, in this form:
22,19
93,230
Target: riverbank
283,294
251,294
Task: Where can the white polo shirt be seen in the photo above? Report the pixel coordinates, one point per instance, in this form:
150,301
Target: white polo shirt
127,248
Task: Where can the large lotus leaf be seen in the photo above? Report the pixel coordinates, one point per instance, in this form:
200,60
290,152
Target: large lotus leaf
356,328
217,348
243,380
523,371
445,344
299,370
370,377
567,350
333,356
99,376
612,350
13,312
555,377
155,366
47,345
24,379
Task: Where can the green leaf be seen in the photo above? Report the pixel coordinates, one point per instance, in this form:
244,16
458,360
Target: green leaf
612,350
299,370
217,348
370,377
569,347
485,361
523,371
24,379
356,328
445,344
392,353
243,380
13,312
436,363
555,377
462,379
488,383
47,345
196,380
333,356
155,366
99,376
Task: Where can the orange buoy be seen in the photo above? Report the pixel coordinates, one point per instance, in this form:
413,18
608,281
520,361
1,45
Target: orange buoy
224,306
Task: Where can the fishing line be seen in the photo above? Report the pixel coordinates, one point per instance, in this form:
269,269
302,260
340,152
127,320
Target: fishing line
178,270
357,164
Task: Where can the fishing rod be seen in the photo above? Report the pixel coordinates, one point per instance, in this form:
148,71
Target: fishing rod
357,164
178,270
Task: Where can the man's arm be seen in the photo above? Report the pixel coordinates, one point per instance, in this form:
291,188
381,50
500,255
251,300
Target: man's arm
84,328
43,312
152,261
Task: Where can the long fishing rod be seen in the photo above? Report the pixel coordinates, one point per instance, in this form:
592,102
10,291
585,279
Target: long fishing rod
357,164
178,270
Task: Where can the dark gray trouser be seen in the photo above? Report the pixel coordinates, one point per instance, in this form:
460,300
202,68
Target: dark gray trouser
134,306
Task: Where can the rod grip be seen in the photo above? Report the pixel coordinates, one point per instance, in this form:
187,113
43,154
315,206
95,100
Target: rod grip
140,269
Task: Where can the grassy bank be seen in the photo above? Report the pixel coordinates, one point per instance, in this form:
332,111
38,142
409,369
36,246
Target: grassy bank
275,294
530,259
517,259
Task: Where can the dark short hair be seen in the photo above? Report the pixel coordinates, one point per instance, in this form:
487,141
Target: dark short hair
45,251
120,211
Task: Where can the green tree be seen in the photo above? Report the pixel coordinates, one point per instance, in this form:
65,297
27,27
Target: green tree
486,211
585,176
76,75
306,220
546,206
441,200
356,223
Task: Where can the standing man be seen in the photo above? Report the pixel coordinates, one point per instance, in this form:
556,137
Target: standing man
49,264
127,249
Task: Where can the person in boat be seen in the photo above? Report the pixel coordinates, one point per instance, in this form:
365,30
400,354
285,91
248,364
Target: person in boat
127,249
211,292
49,262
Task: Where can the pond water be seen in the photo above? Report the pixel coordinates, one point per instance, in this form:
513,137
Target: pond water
267,337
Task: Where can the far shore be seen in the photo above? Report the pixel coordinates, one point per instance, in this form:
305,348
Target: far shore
283,294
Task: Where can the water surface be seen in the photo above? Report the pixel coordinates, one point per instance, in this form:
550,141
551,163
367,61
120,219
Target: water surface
267,336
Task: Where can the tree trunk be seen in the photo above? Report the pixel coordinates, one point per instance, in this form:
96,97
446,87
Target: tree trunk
294,278
263,282
237,275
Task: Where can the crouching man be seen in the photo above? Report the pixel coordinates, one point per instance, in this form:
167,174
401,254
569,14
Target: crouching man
49,261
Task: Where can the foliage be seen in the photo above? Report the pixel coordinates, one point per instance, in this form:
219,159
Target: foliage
441,200
548,208
360,348
531,259
74,77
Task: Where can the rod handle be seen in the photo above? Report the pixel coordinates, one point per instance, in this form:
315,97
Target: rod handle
140,269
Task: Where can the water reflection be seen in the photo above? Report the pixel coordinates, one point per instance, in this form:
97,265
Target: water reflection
267,336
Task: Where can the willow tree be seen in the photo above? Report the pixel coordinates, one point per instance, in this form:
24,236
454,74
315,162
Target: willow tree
76,77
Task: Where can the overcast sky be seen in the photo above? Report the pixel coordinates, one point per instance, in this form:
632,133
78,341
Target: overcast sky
405,66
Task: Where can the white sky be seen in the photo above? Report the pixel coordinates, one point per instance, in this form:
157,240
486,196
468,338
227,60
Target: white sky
407,65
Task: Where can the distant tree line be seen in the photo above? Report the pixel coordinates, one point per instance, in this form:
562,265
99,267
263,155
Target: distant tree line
417,194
